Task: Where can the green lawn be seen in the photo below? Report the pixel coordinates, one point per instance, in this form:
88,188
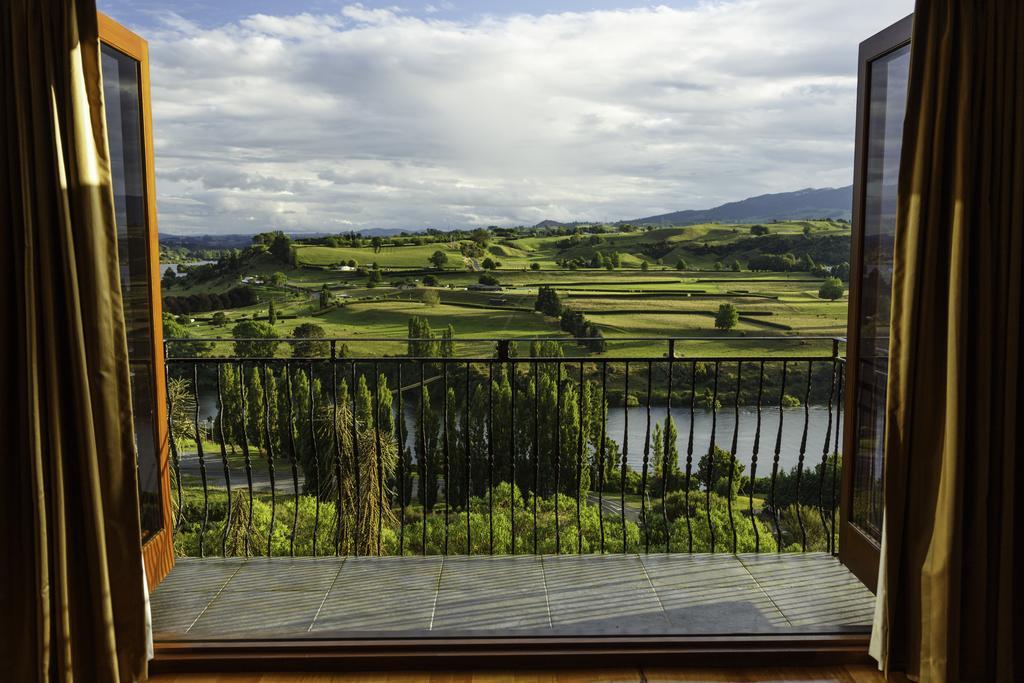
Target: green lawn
625,302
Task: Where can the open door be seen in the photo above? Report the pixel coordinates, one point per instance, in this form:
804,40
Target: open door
881,105
125,65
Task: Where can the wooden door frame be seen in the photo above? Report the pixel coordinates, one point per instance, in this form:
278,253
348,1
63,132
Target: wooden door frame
158,550
856,550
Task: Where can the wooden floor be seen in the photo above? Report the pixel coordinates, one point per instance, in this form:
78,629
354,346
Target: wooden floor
835,674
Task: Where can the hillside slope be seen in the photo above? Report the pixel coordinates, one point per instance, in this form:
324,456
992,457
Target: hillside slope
830,202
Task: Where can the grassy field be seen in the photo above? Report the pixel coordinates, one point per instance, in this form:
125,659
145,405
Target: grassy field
628,301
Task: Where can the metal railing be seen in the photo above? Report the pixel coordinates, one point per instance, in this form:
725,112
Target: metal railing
522,447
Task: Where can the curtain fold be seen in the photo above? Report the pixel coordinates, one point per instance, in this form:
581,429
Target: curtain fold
949,585
70,573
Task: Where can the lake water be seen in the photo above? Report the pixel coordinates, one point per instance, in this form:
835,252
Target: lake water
175,266
789,453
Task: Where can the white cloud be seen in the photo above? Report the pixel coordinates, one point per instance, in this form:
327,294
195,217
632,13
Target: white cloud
376,118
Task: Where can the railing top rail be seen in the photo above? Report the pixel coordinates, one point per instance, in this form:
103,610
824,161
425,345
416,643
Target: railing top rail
402,340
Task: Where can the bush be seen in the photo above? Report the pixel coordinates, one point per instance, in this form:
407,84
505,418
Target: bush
831,289
430,297
727,317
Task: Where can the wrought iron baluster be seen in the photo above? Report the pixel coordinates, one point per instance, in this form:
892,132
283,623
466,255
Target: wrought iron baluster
689,461
753,457
558,453
536,451
600,456
490,456
824,458
171,439
579,468
835,457
666,468
732,452
240,373
800,459
447,456
271,470
400,426
315,446
380,455
711,458
775,462
357,463
222,438
625,454
294,459
647,453
512,452
424,397
469,471
338,462
202,462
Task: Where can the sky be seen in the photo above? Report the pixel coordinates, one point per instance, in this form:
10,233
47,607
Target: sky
322,116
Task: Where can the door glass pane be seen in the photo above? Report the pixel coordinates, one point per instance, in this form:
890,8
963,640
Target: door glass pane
887,107
124,132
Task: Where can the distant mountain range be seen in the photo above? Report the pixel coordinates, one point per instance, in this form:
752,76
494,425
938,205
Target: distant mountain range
828,202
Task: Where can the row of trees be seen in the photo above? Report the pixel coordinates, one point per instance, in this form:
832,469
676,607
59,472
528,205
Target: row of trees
541,431
236,297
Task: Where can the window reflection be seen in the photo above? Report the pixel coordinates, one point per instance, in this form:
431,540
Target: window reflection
887,107
124,133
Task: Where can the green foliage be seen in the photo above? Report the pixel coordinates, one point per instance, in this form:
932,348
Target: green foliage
309,347
548,301
272,313
278,244
489,280
438,259
789,401
534,266
422,342
831,289
689,527
430,297
727,317
278,279
252,331
169,279
713,472
182,349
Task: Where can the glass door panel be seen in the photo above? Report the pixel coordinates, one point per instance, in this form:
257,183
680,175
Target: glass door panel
124,134
881,108
887,106
125,72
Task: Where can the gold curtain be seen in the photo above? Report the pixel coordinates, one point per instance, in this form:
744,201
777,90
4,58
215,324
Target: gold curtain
951,578
71,577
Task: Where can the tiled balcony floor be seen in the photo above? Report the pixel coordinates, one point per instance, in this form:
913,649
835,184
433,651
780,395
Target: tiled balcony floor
494,596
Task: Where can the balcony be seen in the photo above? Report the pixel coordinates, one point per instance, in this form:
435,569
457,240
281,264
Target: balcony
632,487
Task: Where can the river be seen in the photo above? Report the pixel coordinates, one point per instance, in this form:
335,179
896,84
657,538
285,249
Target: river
175,266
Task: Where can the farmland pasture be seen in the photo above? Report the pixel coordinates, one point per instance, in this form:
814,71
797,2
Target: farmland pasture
626,301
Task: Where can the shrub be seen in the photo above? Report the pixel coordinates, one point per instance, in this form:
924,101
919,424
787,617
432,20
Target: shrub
727,317
831,289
